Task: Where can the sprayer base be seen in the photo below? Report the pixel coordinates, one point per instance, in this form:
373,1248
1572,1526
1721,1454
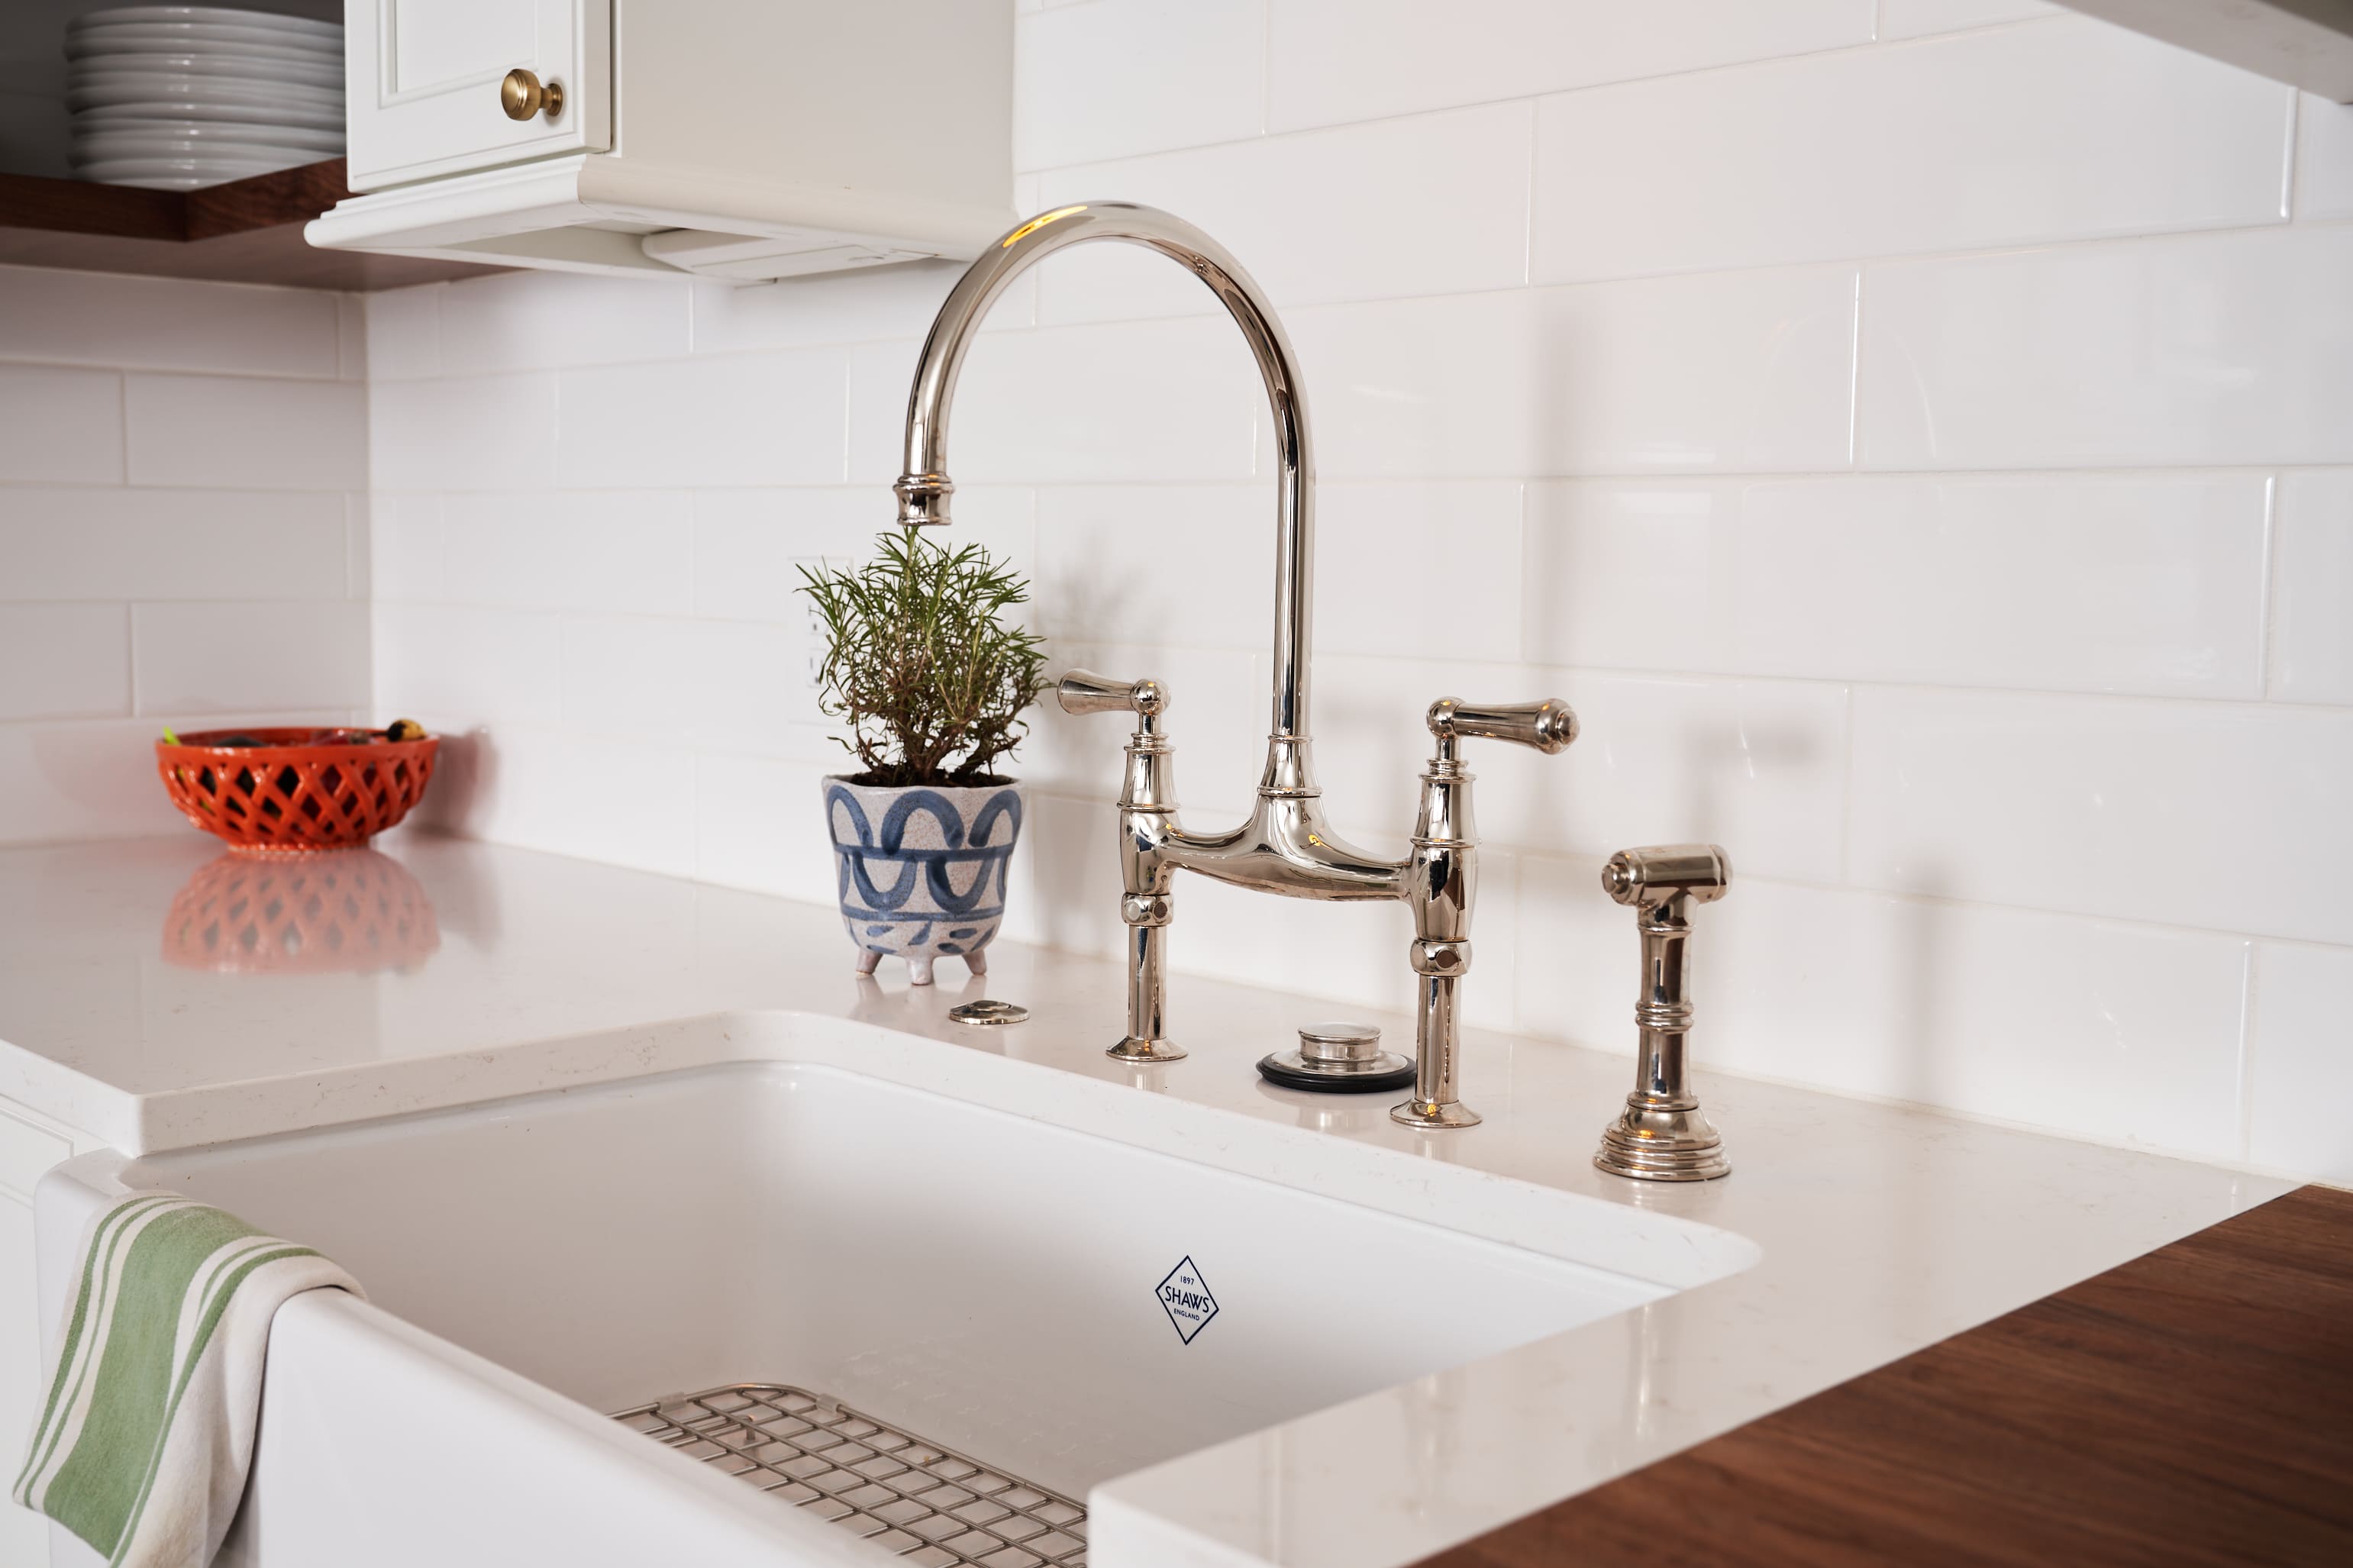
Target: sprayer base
1650,1143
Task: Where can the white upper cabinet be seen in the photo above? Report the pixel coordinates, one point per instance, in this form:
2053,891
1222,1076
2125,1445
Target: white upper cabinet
737,138
424,79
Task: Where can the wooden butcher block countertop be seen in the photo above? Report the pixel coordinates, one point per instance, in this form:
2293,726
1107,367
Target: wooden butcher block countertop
2194,1406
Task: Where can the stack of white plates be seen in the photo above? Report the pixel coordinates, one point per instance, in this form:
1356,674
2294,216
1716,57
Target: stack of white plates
175,97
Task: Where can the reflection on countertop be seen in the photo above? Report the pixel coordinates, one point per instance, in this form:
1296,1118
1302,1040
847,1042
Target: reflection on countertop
349,909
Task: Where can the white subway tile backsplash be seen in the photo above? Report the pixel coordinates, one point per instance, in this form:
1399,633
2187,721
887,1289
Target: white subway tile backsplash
724,419
2312,608
404,331
1352,952
168,323
2299,1070
82,780
1219,705
2121,1032
246,433
2212,815
64,662
193,658
2100,132
1125,401
2324,158
1107,570
1064,865
457,666
474,433
351,338
759,823
2219,349
1755,766
533,321
359,555
85,542
1916,18
1126,282
1459,544
1121,77
1317,217
727,686
856,307
408,559
523,785
747,544
626,551
59,426
1337,60
1737,373
2073,582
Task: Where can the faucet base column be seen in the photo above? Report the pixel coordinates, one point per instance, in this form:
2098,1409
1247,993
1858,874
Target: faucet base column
1659,1139
1147,915
1132,1050
1437,1038
1435,1113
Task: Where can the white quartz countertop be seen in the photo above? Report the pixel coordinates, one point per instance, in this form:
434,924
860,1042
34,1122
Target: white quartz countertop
1882,1228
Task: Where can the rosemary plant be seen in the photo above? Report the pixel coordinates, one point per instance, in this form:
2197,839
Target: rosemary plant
921,665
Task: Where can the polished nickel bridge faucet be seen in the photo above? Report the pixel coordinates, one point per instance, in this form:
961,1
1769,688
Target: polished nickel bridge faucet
1286,846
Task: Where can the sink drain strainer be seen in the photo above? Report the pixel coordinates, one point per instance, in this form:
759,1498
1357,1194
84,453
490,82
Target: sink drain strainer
909,1496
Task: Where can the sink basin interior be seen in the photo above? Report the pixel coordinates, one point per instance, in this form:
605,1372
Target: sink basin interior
991,1280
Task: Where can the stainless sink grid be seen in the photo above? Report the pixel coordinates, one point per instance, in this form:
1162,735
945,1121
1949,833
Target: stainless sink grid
930,1505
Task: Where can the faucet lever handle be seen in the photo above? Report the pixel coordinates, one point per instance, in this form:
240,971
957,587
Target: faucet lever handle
1084,692
1548,726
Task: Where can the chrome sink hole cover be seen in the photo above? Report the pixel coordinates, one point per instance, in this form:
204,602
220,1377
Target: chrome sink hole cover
913,1499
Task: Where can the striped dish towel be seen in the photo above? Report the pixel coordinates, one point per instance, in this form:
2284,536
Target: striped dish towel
143,1443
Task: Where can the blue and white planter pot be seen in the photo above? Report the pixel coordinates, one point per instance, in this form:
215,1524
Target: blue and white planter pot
921,870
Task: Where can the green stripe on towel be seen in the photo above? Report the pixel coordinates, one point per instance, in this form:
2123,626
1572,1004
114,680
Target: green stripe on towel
143,1442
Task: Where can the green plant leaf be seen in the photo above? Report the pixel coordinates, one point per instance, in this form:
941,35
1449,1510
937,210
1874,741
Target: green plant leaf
922,666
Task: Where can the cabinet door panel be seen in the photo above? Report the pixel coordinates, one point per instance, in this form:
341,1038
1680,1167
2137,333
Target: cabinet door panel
422,77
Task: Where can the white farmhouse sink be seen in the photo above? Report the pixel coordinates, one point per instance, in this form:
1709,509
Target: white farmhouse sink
981,1260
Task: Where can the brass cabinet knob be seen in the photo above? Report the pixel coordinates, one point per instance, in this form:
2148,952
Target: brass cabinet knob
523,95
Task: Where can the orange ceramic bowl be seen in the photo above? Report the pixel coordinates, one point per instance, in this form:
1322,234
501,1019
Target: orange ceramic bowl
287,796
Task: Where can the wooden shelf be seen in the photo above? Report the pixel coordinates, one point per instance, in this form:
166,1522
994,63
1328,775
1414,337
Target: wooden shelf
248,231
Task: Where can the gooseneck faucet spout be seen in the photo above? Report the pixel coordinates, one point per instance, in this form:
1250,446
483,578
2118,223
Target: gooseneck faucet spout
924,489
1286,846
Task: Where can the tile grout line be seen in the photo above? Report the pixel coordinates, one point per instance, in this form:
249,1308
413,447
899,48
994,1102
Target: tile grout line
1854,381
2189,235
130,658
1861,48
1265,70
2248,970
2290,153
1846,789
1328,482
1528,215
1715,677
2267,600
122,429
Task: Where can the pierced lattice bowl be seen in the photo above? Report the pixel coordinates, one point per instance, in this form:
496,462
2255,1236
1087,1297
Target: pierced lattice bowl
287,795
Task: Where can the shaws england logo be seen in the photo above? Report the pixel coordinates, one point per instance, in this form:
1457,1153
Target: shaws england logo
1186,1298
